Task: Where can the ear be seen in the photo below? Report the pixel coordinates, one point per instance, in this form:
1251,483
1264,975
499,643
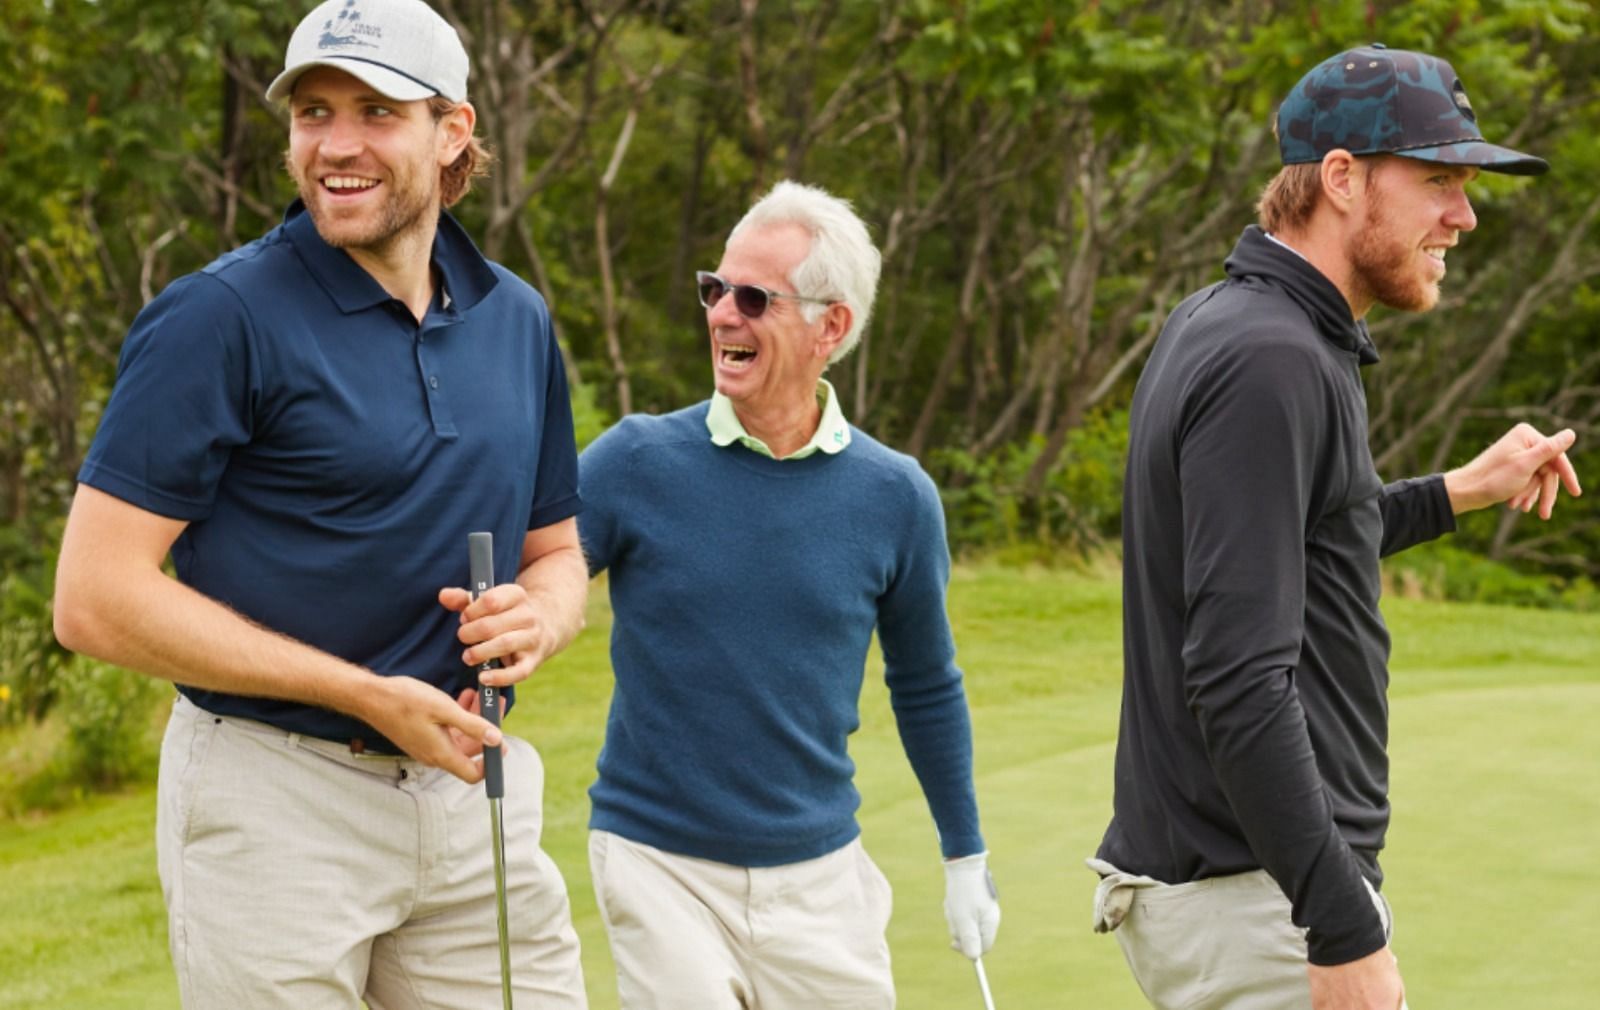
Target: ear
836,320
455,131
1342,179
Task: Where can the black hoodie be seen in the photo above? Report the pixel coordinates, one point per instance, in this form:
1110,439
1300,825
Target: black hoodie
1254,708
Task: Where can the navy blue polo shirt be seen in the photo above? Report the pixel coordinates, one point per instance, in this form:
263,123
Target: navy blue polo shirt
330,455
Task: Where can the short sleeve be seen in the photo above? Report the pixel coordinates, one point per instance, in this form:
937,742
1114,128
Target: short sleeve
186,393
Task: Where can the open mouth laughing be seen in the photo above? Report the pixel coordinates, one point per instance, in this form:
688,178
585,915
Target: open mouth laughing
736,356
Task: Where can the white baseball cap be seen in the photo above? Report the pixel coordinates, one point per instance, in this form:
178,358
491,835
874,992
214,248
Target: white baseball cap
403,48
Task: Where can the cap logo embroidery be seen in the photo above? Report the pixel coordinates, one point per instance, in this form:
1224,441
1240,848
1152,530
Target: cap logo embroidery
345,28
1459,93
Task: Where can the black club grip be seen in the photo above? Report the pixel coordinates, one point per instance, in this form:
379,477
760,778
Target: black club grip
480,557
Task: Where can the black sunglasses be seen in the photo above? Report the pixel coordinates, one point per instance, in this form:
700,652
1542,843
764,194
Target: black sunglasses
750,299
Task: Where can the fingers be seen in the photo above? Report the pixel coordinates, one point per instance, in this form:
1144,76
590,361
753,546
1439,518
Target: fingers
1549,484
466,768
463,754
486,733
454,599
1569,474
1549,469
968,942
515,666
501,625
1554,465
500,599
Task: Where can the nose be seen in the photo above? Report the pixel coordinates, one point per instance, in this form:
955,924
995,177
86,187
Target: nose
723,313
1459,214
341,139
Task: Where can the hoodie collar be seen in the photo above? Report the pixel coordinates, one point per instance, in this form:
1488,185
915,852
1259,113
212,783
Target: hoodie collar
1258,255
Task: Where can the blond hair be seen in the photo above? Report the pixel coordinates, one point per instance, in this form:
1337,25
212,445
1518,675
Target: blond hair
1290,198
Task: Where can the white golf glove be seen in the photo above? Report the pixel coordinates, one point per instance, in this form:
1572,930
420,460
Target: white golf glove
971,904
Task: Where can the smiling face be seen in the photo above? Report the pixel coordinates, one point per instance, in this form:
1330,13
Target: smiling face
1414,211
771,363
366,166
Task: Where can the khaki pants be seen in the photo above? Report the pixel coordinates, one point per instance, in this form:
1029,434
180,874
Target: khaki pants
299,875
1223,943
691,934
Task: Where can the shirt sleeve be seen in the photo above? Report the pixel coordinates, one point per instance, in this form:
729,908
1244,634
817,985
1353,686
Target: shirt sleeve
1415,511
601,470
555,495
925,685
1251,454
187,385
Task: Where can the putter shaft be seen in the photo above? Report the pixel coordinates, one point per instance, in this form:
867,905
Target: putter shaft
983,984
497,834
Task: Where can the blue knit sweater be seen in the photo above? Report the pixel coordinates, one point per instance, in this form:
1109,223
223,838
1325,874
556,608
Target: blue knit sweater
745,591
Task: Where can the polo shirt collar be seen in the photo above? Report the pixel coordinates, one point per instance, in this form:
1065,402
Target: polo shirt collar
831,436
466,274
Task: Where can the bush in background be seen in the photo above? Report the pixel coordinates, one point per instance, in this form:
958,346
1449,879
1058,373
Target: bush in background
1442,571
30,658
1076,513
103,735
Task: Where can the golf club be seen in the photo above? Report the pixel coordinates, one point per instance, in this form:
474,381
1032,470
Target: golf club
480,556
983,984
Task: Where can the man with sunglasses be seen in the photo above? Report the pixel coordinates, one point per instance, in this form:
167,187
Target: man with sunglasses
1240,868
754,542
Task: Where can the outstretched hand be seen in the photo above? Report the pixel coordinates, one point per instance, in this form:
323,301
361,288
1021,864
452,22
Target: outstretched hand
1524,468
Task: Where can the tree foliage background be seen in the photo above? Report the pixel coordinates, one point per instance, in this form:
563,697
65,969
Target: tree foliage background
1046,179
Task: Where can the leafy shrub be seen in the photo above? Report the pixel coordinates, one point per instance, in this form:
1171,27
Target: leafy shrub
1075,513
31,660
107,713
109,740
1443,571
588,418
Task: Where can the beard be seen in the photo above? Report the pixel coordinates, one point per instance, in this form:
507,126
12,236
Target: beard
1385,268
408,205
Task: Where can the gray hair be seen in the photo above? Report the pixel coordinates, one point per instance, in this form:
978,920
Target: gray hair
842,265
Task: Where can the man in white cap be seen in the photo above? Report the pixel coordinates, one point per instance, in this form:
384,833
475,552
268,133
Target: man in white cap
307,425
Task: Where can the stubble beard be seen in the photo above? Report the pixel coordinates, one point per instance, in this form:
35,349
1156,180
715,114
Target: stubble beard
406,206
1384,268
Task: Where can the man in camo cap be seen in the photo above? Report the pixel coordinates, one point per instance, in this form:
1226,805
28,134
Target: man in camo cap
1240,869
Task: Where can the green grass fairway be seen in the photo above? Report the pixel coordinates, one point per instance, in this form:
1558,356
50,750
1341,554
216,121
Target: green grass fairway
1493,868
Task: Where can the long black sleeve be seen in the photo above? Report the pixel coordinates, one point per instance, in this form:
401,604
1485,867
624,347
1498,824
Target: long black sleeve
1255,463
1415,511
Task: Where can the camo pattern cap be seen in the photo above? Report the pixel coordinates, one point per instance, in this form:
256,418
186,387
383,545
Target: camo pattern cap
1376,100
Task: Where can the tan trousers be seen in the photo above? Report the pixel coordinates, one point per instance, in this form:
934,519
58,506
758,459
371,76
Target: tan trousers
299,875
691,934
1223,943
